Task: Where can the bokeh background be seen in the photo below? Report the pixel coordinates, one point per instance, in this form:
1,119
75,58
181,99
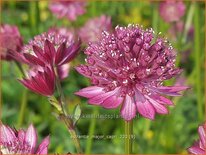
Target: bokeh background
171,133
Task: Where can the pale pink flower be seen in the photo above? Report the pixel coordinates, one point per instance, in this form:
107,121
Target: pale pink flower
93,28
70,9
199,146
10,40
21,141
171,10
128,68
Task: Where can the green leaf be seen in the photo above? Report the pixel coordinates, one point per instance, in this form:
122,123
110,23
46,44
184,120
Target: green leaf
76,114
55,103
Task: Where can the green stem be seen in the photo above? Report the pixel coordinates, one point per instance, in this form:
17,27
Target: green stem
22,108
20,68
188,22
155,18
91,131
128,136
68,122
72,132
33,16
198,61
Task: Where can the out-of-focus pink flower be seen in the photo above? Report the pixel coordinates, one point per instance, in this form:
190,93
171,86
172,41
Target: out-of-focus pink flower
40,80
10,40
92,30
171,10
21,141
48,49
128,69
69,9
199,146
63,71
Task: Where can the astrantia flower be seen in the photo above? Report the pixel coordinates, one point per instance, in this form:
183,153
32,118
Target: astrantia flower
10,40
50,48
21,141
172,10
128,68
40,80
92,30
69,9
199,146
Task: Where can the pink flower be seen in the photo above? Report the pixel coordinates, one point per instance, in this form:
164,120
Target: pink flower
50,48
171,10
69,9
63,71
128,68
10,40
21,141
41,80
94,27
199,147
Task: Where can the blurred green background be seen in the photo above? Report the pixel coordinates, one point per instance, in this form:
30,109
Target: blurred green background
171,133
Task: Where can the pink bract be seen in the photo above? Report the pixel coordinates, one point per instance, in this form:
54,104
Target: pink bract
68,9
10,40
199,146
21,141
171,10
93,28
40,80
127,68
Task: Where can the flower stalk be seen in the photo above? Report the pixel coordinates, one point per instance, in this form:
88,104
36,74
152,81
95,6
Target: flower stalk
128,136
64,117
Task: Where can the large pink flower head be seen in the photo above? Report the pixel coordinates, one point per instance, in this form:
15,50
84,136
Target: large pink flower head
128,68
10,40
94,27
199,146
171,10
21,141
70,9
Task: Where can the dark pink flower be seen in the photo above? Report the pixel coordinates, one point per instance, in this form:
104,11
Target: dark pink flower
92,30
21,141
171,10
10,40
50,48
40,80
69,9
199,146
128,68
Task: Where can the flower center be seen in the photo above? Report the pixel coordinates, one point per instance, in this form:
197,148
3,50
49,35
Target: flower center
15,147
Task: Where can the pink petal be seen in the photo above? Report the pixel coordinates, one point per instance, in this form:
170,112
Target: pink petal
159,108
128,109
34,60
6,134
146,109
196,150
49,49
162,100
171,90
43,147
60,53
21,135
202,136
31,137
112,102
90,92
100,98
